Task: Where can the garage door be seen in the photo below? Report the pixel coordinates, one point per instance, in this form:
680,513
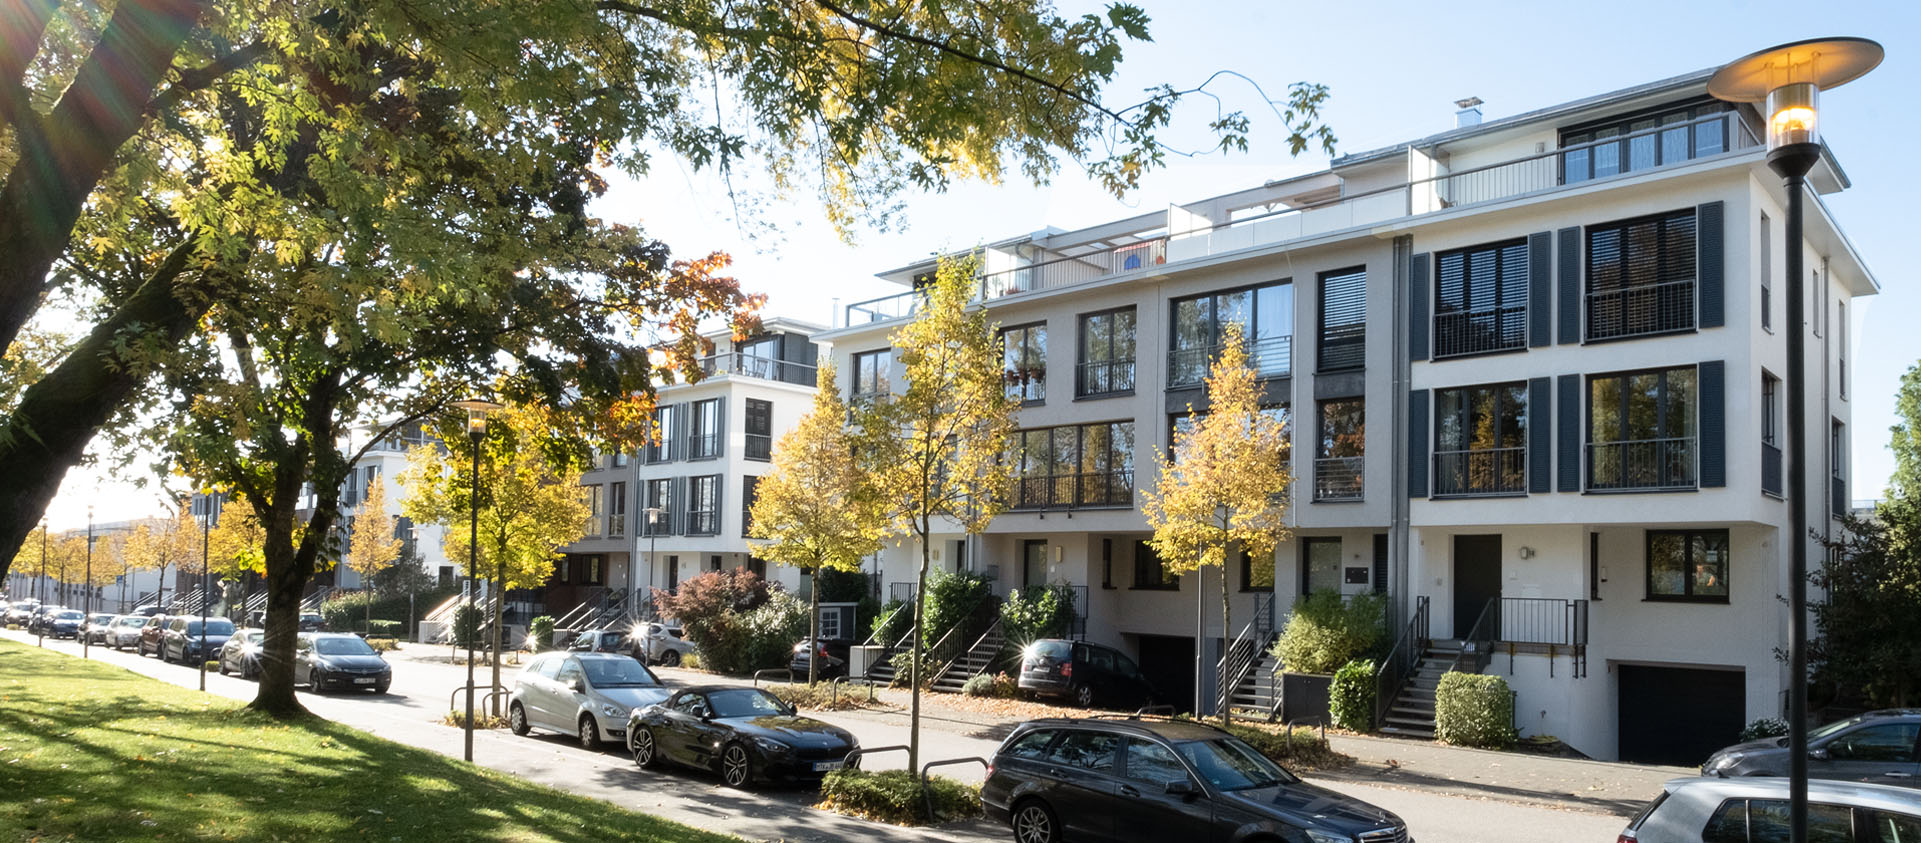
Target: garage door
1679,716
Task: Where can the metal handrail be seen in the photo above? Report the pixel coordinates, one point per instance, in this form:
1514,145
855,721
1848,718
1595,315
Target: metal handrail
1398,666
1478,643
1119,487
765,670
492,690
852,759
1237,662
949,665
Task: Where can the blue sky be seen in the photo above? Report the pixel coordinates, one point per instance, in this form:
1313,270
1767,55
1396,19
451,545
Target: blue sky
1395,69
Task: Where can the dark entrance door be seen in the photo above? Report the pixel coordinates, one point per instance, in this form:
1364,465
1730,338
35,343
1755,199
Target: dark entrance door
1168,664
1672,715
1033,562
1477,579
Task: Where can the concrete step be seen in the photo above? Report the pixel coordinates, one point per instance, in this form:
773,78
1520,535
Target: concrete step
1408,731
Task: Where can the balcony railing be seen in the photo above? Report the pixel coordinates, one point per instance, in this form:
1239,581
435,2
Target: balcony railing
1074,491
1549,622
1770,469
1343,347
1487,471
1337,478
1272,357
616,525
756,366
1644,309
1103,377
1480,331
1838,497
662,526
702,446
703,523
1641,464
760,446
1073,269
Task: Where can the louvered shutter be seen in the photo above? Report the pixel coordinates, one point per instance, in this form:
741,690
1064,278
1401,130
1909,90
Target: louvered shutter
1568,419
1710,263
1418,428
1539,442
1540,293
1568,274
1419,318
1714,460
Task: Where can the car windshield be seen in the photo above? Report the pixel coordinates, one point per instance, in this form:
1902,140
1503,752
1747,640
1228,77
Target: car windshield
745,702
622,672
133,620
253,636
343,646
217,626
100,619
1230,764
1831,728
70,616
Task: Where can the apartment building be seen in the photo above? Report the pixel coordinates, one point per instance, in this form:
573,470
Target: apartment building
1531,369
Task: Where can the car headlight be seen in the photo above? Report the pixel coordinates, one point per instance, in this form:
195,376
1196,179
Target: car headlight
1722,763
610,710
1327,837
772,746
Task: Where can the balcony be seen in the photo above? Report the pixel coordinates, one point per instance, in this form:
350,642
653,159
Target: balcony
703,446
1337,478
1480,331
1081,490
1641,465
1640,310
1272,357
756,366
1487,471
1771,469
760,446
1103,377
703,523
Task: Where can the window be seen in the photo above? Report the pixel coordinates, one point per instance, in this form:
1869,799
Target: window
1150,571
1107,353
1666,136
1343,341
660,508
1153,765
1178,426
617,509
1688,565
1766,821
596,509
1266,317
662,447
1480,299
1837,468
871,370
1257,574
703,437
1641,430
1093,751
1338,456
1024,362
703,505
1031,746
760,429
1841,347
1320,565
760,358
1770,434
1480,440
1075,466
594,566
620,459
1640,276
1767,274
749,492
1889,743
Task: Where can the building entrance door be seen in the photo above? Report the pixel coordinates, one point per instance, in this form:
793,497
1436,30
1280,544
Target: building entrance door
1033,562
1477,579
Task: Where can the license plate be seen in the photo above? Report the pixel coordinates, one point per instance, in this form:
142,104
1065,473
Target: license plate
824,766
363,680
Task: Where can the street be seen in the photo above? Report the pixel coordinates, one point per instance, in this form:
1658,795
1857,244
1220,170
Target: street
424,680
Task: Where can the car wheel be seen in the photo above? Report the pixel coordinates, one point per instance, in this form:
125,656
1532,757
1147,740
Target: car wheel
671,659
249,670
646,753
1084,696
382,687
517,720
736,767
1034,822
589,733
223,667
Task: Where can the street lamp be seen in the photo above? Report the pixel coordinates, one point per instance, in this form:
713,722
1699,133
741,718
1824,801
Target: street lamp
86,641
1787,81
206,581
477,410
653,540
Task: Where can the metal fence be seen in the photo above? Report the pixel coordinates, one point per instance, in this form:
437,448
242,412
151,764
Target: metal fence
1337,478
1271,357
1641,464
1480,331
1485,471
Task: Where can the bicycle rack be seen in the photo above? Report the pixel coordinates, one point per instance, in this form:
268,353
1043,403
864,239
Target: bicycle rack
757,674
926,796
492,691
852,760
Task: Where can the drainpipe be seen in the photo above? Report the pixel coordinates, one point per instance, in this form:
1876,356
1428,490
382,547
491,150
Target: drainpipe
1398,527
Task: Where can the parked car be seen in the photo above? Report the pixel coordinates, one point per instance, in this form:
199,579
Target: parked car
124,632
663,644
324,660
152,633
187,643
309,622
832,652
589,695
1088,674
1879,746
241,653
604,641
62,623
19,611
744,734
38,622
97,625
1755,810
1162,779
150,610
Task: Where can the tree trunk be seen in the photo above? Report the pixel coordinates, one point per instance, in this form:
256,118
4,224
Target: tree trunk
813,629
500,615
1227,642
284,585
913,670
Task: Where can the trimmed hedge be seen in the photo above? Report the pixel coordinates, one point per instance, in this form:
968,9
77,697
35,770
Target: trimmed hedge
348,612
1350,698
1326,631
1472,709
540,633
894,796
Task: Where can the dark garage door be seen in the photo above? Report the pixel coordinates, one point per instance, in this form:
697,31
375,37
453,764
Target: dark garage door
1673,715
1168,663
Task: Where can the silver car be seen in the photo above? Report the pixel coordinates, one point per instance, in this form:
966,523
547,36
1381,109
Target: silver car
124,632
1755,810
663,644
588,695
1879,747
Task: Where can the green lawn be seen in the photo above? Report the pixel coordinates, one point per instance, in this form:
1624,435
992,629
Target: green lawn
90,752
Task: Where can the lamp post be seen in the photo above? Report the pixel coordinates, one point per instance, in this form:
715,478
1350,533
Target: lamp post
206,581
86,640
1787,82
477,410
40,588
653,540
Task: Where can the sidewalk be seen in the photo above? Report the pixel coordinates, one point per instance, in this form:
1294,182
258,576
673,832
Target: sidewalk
1568,783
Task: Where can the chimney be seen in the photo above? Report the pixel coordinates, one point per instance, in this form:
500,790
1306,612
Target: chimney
1470,113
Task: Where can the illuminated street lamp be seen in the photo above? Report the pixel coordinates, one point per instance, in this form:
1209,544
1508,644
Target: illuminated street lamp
477,410
1787,82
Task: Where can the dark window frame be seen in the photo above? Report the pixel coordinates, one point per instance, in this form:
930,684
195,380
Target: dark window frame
749,492
703,429
1022,383
876,381
1662,416
1687,536
1248,586
1350,491
1506,482
703,522
660,496
1615,315
1460,332
1043,491
758,421
664,448
1621,126
1341,346
1308,543
1148,565
1215,332
1113,370
1767,273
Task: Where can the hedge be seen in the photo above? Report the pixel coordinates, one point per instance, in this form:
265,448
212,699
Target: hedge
1472,709
347,612
1350,697
1326,631
895,796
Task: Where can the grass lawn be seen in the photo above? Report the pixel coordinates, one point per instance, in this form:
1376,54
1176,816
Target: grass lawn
90,752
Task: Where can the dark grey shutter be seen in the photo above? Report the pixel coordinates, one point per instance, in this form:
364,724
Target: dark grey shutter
1540,289
1710,263
677,512
1380,563
1417,315
679,439
1714,445
1568,464
1417,438
720,503
720,427
1568,273
1539,448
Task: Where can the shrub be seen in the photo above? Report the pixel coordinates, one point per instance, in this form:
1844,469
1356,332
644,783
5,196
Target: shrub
951,598
467,620
384,629
903,663
540,633
995,685
1472,709
768,632
691,661
382,644
712,609
348,611
1295,749
1036,612
1765,727
1350,697
891,622
826,696
895,796
1326,631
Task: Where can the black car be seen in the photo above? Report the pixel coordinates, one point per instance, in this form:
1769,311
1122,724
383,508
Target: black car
326,660
188,642
38,622
833,657
309,622
63,623
744,734
1088,674
1161,779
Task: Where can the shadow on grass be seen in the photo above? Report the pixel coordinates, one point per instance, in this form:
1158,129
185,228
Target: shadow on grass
94,752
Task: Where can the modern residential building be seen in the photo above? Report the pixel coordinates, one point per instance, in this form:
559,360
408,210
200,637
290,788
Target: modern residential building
1532,372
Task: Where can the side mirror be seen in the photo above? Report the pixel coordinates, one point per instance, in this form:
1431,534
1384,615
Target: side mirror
579,686
1818,754
1182,788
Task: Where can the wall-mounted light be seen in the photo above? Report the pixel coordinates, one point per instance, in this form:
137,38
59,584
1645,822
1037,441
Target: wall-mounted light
1057,554
1525,552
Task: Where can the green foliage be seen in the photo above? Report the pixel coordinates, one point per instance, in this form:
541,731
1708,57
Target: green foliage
1295,749
1036,612
383,644
952,597
1764,727
994,685
822,696
348,611
1473,709
840,586
467,621
770,631
691,661
1351,696
891,622
384,629
1867,644
540,631
903,663
1326,631
896,796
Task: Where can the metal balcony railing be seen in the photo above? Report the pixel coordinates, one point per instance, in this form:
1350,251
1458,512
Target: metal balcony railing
1643,309
1641,464
703,522
1272,357
1103,377
1076,490
760,446
1487,471
1337,478
1838,497
1343,347
703,446
1480,331
756,366
1771,469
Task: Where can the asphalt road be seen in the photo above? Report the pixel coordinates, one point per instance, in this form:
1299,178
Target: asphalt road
411,711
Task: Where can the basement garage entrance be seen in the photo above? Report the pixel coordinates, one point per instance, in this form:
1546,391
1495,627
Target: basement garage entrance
1168,663
1678,716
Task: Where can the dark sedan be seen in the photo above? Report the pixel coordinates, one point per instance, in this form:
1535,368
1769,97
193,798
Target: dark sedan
744,734
331,660
65,623
191,641
1879,747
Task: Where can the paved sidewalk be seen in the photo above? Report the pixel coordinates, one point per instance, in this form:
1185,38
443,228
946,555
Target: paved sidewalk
1568,783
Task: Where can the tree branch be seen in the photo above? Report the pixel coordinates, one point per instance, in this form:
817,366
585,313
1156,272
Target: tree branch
199,78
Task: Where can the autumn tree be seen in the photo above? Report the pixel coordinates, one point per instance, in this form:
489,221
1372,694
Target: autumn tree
529,505
816,510
27,559
934,448
1224,489
159,544
372,545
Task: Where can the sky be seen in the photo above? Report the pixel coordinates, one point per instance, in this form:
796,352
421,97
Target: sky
1395,70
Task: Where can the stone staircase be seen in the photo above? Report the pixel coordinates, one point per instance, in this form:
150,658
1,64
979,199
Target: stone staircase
1412,714
972,663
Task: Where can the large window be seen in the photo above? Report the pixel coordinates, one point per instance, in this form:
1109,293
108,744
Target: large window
1343,340
749,492
703,434
1688,565
1150,571
1641,430
1107,353
1179,425
663,447
703,505
1837,468
1640,276
760,357
1480,299
1338,456
658,520
1770,434
871,370
1089,465
1767,274
617,509
596,509
1320,565
1024,362
1266,317
1480,440
1667,136
1257,573
760,429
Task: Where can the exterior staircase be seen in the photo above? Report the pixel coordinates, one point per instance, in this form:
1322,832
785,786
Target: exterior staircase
1260,691
972,663
1412,713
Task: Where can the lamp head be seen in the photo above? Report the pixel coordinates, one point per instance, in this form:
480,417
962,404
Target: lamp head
1787,81
477,410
